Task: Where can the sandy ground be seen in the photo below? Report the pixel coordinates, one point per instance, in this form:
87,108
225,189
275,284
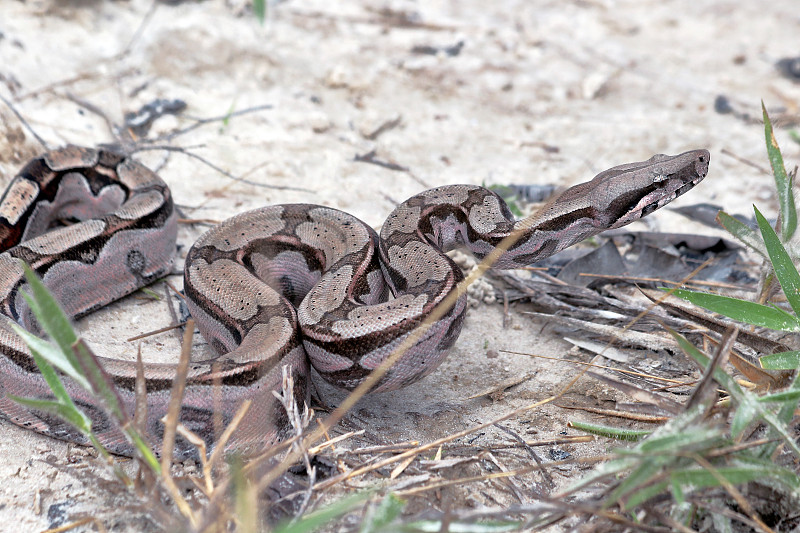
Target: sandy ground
540,92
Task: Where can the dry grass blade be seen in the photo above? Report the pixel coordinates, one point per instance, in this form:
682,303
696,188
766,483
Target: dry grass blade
671,522
647,341
706,385
690,283
615,413
462,448
236,179
402,466
460,481
78,523
332,442
140,411
433,444
155,332
208,464
171,423
642,395
500,475
496,392
205,221
723,511
674,382
509,481
533,455
729,450
221,442
221,118
218,500
176,397
25,123
436,315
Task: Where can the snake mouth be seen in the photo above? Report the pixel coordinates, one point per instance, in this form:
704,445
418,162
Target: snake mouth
661,196
666,187
667,195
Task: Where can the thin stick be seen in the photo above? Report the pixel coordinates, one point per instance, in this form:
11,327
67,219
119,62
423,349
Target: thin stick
218,169
717,284
139,30
676,382
203,121
155,332
24,122
171,424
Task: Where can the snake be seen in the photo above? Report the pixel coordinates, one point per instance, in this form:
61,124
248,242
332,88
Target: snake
274,290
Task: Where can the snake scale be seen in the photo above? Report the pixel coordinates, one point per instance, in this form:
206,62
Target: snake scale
276,286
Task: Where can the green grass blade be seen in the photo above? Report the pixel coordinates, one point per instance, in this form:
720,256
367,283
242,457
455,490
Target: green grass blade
742,310
260,10
53,355
780,427
70,414
745,414
379,517
313,521
786,413
698,477
614,467
72,357
753,410
784,268
748,410
677,492
63,406
699,438
101,384
781,474
782,181
50,315
783,396
52,379
744,233
643,494
781,360
632,435
633,483
103,388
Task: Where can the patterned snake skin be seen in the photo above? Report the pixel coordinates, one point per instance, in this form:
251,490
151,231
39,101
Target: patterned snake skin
273,287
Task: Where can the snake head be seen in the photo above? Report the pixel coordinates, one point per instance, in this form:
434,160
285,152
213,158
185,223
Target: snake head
635,190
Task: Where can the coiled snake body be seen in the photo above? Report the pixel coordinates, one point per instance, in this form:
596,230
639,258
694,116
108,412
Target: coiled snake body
276,286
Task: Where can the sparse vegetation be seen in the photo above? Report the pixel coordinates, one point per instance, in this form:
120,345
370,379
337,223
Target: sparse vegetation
730,441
